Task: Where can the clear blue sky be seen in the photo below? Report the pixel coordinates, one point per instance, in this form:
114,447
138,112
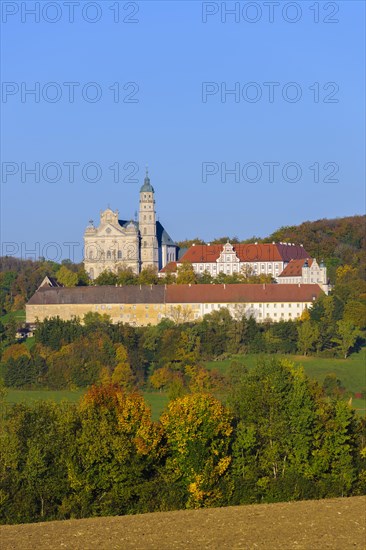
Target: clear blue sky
169,52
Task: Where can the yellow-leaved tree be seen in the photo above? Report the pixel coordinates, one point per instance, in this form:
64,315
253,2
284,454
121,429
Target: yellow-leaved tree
122,374
198,430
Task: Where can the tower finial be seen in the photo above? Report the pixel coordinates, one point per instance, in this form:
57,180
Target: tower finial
146,171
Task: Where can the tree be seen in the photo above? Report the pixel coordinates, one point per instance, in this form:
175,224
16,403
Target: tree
198,431
114,454
148,276
122,374
205,278
180,314
355,313
347,336
308,336
186,274
275,411
83,277
67,277
106,278
33,477
126,276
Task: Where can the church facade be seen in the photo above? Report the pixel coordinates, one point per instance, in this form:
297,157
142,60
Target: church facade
116,243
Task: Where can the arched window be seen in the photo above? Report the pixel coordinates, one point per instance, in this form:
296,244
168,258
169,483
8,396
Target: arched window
91,255
109,255
120,254
145,230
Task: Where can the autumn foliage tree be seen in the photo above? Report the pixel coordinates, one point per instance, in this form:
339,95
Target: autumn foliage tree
113,455
198,429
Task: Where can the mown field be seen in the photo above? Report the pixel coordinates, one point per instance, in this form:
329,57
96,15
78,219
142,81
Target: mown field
335,524
350,371
156,400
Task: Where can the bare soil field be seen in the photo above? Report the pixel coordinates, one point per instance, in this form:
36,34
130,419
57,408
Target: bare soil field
311,525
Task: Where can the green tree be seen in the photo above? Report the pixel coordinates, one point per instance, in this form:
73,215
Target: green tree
33,477
308,336
67,277
148,276
122,374
127,276
106,278
347,336
186,274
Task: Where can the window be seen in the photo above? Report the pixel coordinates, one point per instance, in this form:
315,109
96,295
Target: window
275,314
120,254
91,255
267,305
290,314
109,255
298,305
282,305
289,305
274,305
282,314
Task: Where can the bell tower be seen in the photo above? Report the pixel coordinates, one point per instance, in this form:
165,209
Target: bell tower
147,226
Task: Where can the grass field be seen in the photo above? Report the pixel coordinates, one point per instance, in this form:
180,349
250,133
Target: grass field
18,315
350,371
156,400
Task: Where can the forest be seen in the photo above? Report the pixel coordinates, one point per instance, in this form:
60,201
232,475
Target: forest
275,438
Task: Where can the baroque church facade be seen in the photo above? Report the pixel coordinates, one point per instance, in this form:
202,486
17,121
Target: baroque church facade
116,243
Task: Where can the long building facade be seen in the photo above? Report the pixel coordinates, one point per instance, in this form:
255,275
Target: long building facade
286,263
148,305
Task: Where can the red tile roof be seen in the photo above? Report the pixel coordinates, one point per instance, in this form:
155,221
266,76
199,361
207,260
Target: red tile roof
213,293
171,267
294,268
265,252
